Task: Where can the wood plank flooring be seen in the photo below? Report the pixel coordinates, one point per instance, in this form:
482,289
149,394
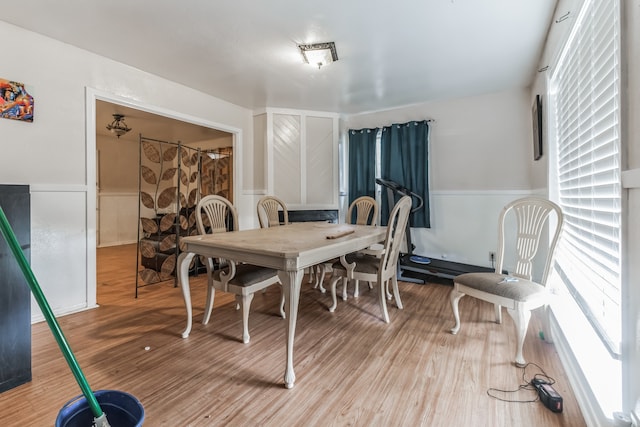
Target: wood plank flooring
352,369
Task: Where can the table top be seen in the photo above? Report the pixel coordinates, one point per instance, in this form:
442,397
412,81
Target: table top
289,247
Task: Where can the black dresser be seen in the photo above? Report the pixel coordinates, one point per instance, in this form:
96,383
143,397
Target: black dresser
15,294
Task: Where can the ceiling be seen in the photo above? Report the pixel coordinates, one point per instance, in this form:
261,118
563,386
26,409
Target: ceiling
391,53
151,125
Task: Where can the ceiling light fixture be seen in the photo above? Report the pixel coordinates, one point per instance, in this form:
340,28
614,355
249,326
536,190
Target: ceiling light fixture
118,126
214,155
319,53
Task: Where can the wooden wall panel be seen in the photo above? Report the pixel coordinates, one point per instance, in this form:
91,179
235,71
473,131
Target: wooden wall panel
320,167
286,157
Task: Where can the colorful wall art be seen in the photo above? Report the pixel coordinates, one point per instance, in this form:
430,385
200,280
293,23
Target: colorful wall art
15,101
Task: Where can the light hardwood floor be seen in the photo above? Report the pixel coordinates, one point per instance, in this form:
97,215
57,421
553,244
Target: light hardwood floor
352,369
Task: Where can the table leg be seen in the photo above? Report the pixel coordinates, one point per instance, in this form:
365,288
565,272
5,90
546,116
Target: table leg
184,259
291,283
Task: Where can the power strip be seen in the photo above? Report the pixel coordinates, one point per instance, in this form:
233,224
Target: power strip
548,395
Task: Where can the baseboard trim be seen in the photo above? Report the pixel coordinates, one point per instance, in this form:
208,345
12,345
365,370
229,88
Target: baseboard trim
124,242
37,318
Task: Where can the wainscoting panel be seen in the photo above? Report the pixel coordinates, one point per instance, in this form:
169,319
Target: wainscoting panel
320,168
286,157
117,219
464,225
59,249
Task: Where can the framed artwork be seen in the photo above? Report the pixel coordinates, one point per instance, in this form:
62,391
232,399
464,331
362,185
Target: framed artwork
536,112
15,101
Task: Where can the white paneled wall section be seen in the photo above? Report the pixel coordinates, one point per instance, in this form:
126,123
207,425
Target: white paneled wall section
301,157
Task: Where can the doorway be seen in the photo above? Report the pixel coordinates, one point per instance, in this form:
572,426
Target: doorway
118,167
112,203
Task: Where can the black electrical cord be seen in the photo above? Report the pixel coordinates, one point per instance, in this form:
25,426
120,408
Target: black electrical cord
527,384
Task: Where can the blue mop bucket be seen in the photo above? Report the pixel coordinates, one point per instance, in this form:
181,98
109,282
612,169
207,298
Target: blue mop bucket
121,409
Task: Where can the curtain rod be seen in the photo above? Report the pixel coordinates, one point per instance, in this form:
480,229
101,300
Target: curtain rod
424,120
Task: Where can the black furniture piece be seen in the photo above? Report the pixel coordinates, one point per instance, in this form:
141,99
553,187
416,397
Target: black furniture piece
15,294
435,267
306,215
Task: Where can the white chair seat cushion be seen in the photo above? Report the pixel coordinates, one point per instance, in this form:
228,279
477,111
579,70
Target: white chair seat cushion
247,275
521,290
367,264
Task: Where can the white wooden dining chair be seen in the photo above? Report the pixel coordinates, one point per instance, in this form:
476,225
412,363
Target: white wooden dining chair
362,211
268,208
380,269
517,291
268,212
216,214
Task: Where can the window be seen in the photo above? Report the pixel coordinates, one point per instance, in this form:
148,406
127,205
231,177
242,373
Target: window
585,89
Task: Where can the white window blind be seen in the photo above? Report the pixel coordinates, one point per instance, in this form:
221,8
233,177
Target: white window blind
586,106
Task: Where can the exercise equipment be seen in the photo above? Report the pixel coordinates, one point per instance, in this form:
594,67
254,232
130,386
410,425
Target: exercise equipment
408,261
417,268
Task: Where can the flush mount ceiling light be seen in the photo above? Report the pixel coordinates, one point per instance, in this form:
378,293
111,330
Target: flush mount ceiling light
118,126
319,53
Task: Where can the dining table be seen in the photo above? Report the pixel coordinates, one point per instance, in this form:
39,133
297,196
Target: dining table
289,249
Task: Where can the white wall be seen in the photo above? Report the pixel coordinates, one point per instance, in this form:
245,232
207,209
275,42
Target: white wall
481,157
117,199
118,164
56,153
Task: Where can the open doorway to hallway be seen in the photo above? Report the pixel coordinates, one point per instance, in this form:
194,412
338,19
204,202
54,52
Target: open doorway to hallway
118,167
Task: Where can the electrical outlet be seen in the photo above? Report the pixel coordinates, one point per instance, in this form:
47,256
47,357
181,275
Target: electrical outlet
492,256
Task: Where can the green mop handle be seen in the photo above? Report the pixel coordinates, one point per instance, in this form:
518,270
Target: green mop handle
10,237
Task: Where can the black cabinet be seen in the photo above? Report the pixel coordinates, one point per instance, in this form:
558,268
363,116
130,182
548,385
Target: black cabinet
15,294
306,215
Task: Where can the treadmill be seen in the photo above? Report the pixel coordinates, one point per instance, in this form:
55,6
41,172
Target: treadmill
409,261
416,268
